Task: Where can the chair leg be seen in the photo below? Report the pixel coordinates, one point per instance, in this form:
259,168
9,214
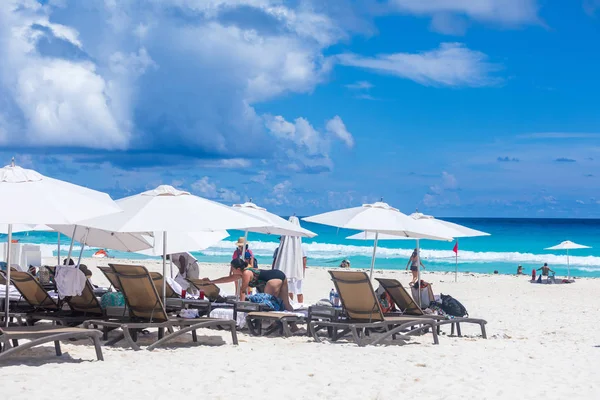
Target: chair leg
98,348
483,332
194,336
458,330
15,342
57,348
129,339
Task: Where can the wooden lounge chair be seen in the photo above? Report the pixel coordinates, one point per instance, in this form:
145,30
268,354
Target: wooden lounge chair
41,334
146,311
407,306
112,278
211,291
44,307
364,316
174,301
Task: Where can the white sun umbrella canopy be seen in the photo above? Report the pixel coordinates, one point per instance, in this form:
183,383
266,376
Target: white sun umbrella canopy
120,241
180,242
454,230
377,218
28,197
168,210
568,245
276,224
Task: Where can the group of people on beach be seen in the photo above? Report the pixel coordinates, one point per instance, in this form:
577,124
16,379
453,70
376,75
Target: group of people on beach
244,267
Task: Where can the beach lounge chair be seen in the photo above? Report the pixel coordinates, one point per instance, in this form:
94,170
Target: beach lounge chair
41,334
44,307
280,322
146,311
407,306
112,278
174,301
363,316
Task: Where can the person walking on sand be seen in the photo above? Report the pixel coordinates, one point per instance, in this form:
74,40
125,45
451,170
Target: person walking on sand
414,262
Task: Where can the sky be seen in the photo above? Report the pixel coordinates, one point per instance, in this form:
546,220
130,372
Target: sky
476,108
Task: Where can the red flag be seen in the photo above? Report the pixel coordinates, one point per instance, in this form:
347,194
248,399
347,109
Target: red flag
455,249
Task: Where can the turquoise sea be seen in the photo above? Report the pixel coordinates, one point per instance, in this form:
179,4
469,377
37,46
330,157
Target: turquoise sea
512,242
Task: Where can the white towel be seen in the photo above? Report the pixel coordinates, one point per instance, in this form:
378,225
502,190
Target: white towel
70,281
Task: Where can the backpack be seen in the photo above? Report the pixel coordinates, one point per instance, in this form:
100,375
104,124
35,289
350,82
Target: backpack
453,307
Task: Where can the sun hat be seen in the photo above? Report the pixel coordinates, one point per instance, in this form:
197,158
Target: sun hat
241,241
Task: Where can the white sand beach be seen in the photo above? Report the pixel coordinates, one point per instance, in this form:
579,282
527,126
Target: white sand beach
543,344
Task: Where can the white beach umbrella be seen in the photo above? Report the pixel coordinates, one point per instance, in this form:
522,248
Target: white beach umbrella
377,218
277,225
289,258
119,241
568,245
455,230
181,242
429,223
28,197
168,210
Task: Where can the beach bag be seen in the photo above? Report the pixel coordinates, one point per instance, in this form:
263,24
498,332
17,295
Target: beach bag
453,307
112,299
274,303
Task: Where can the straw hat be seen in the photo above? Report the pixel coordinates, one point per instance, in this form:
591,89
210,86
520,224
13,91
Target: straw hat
241,241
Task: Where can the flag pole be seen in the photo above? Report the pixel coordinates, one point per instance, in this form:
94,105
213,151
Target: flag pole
456,262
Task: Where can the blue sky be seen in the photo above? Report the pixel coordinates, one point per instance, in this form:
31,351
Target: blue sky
454,107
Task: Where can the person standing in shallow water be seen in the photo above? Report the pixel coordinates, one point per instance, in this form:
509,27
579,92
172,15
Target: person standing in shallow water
414,262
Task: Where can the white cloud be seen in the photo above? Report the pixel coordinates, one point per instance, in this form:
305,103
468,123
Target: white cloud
448,24
360,85
205,188
309,150
208,189
506,12
279,194
143,80
337,127
591,7
260,178
444,193
452,64
52,101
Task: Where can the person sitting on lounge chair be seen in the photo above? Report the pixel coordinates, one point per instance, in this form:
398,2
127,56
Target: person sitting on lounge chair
274,281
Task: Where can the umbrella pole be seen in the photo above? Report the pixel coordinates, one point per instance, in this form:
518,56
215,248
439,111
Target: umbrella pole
419,272
71,246
87,232
374,254
58,250
164,288
568,266
6,298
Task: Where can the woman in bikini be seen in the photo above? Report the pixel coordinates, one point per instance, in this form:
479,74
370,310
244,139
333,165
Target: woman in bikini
273,280
414,266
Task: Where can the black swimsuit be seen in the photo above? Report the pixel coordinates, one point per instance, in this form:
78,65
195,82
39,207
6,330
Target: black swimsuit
262,276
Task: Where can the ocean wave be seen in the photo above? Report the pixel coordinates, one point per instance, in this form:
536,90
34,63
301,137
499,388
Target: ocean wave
331,252
327,251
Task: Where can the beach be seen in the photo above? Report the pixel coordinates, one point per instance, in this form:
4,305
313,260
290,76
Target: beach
542,344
